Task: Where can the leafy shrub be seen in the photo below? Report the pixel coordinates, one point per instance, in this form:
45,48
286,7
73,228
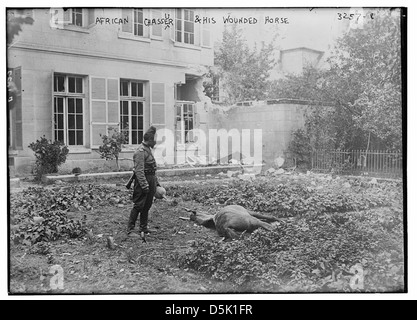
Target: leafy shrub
300,148
56,225
282,200
331,228
49,156
112,145
313,254
52,205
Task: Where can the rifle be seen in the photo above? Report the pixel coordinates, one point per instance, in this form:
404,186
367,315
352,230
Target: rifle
129,183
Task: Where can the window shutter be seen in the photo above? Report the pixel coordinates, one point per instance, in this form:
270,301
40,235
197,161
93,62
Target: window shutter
113,117
196,117
67,16
158,104
17,79
91,17
104,107
206,36
127,27
156,29
205,32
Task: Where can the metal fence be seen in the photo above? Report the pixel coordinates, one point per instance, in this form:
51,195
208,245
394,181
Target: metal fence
358,162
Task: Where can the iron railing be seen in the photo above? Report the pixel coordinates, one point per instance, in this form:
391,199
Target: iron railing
358,162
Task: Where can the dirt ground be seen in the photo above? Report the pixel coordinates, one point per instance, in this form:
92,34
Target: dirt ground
90,267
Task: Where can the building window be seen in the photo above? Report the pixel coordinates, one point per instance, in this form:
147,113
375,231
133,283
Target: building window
184,26
69,109
132,110
134,26
185,122
77,17
138,22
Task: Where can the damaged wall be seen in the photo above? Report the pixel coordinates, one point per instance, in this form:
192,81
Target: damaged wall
277,122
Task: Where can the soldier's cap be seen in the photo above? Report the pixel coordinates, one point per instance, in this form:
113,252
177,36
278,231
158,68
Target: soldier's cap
150,134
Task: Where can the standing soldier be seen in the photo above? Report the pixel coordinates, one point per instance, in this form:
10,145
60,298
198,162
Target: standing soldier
145,183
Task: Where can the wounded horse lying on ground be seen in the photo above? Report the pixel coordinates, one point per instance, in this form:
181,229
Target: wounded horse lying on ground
233,220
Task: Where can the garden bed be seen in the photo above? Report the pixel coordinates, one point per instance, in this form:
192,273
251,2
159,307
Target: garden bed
328,226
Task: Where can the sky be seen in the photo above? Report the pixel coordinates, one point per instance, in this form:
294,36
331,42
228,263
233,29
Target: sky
315,29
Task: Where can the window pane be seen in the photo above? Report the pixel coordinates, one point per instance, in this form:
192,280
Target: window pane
124,88
140,30
186,15
140,108
79,20
134,123
140,89
79,138
71,84
60,121
60,105
60,135
59,84
186,38
134,89
125,122
79,105
191,15
79,122
179,25
179,14
79,85
178,36
71,108
71,137
71,122
125,107
134,108
188,26
140,16
191,38
140,123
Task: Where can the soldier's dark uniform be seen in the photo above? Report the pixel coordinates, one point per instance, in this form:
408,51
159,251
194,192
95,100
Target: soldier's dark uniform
144,186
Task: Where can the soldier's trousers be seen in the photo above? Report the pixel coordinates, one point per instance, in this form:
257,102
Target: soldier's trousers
142,204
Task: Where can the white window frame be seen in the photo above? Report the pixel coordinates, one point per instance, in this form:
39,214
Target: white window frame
134,23
129,98
83,17
65,95
62,19
130,34
182,130
183,27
